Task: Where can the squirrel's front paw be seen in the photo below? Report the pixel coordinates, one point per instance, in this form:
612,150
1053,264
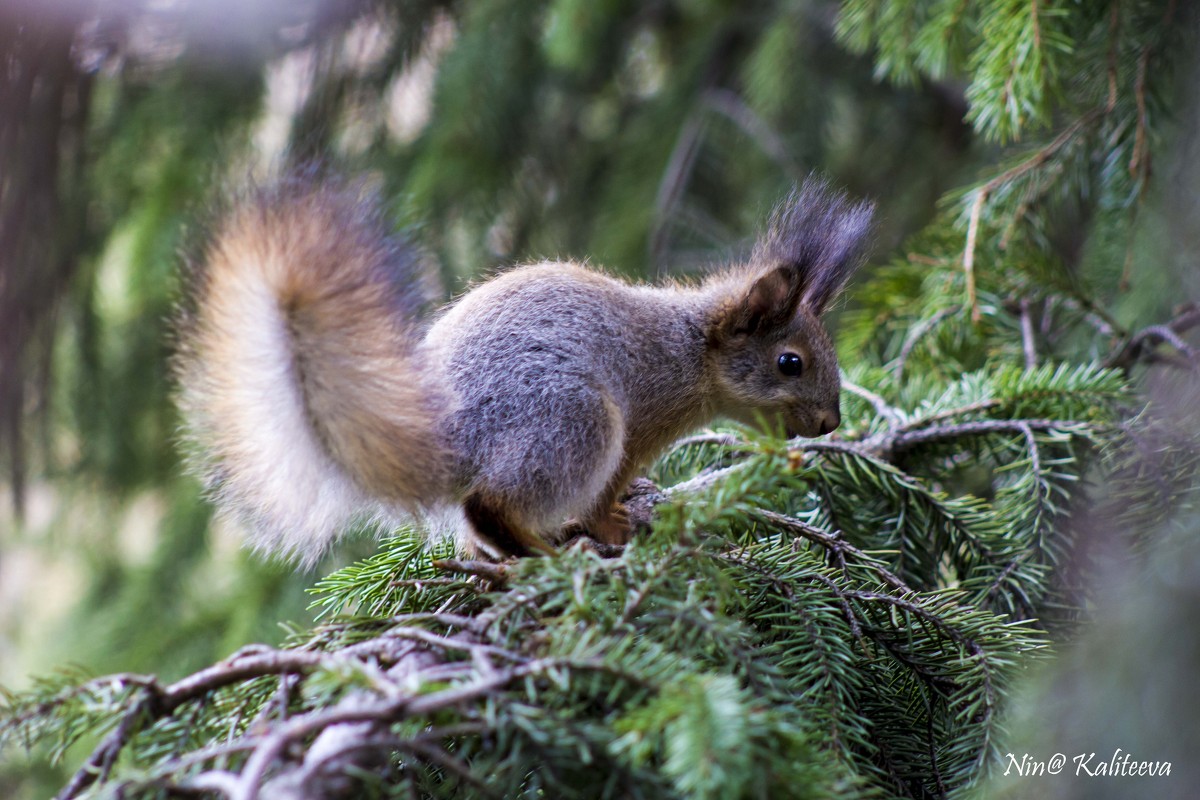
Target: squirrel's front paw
606,535
614,527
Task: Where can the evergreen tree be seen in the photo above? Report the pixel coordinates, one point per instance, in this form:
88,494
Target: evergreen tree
841,617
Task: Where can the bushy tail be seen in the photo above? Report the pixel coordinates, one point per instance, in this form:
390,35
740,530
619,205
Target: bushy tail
301,378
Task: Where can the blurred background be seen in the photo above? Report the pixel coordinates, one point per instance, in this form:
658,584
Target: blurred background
648,137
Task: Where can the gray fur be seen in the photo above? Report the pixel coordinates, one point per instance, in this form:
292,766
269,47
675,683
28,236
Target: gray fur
537,396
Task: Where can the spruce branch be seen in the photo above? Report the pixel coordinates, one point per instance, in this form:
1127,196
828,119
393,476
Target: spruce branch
156,701
1140,345
902,441
837,547
268,751
891,415
1029,164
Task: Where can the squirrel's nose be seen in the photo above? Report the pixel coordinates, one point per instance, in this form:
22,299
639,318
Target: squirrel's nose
828,421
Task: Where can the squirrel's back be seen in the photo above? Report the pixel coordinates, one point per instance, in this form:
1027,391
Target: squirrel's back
305,392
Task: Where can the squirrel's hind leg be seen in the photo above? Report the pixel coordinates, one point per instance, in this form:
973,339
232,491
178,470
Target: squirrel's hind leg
498,532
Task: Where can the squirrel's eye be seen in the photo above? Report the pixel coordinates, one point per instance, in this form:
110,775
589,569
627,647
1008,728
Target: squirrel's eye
791,364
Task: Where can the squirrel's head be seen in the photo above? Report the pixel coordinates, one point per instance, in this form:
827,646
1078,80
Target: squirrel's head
771,356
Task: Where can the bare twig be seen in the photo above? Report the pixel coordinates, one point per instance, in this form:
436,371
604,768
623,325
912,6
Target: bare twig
447,642
704,480
497,573
886,445
708,437
968,257
100,763
1044,154
979,200
272,746
214,780
187,760
1027,341
919,332
159,702
238,669
881,406
673,183
420,583
1162,333
440,618
906,440
731,105
1114,27
1140,346
866,448
951,413
1095,316
1139,159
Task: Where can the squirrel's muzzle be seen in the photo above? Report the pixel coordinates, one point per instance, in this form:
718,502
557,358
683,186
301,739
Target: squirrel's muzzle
818,424
828,421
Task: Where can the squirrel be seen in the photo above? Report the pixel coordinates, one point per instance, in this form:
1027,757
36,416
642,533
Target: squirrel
319,386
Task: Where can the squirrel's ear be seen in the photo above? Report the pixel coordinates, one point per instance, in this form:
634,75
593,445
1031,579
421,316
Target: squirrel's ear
770,302
820,234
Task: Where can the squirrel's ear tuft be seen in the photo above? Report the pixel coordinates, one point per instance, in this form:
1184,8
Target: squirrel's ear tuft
821,235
